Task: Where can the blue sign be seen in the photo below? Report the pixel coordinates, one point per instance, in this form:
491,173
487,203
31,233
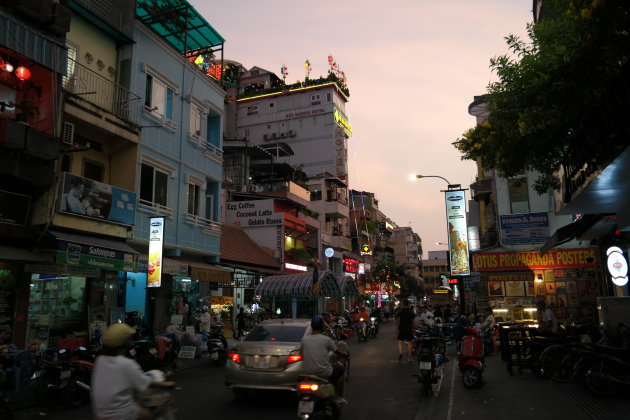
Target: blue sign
96,200
524,228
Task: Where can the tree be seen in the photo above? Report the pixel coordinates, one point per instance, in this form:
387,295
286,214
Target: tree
564,98
388,273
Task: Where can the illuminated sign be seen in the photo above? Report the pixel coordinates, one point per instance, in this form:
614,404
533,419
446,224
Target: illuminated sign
295,267
342,122
457,232
361,268
452,281
365,250
617,266
156,244
561,258
350,265
389,227
329,252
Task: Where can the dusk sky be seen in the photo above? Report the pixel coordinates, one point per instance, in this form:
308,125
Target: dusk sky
413,67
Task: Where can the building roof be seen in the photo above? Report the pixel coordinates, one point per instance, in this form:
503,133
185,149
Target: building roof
239,248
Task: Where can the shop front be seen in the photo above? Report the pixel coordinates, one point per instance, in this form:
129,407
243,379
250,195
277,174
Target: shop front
567,280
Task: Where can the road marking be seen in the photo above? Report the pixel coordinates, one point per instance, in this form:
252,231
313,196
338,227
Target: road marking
450,399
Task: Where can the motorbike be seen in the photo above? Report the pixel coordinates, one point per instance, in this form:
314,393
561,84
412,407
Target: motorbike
471,359
217,345
372,327
63,379
157,353
360,330
316,399
608,369
158,400
426,361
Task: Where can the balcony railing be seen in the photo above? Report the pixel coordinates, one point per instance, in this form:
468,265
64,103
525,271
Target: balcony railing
207,226
211,150
101,92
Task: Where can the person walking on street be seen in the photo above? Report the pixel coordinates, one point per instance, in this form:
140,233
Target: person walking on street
240,323
404,324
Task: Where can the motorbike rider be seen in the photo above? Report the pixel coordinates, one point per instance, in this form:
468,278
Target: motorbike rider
116,378
316,348
363,313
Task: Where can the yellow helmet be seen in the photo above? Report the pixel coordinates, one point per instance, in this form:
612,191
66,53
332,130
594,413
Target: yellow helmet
117,335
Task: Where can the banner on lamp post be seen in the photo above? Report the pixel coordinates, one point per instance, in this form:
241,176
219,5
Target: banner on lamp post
156,245
457,232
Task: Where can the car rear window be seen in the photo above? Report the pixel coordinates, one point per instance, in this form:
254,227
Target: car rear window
279,332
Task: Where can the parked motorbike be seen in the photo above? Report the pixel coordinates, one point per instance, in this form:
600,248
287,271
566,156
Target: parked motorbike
316,399
63,380
426,361
217,345
471,361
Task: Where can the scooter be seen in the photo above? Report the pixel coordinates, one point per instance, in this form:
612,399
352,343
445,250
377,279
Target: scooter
217,345
360,330
423,348
157,400
471,361
63,380
316,399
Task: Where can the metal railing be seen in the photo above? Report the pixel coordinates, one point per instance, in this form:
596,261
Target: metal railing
210,148
207,226
101,92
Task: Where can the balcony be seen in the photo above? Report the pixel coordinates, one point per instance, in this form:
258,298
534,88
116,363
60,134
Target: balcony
210,150
22,137
286,189
337,208
82,84
207,226
334,241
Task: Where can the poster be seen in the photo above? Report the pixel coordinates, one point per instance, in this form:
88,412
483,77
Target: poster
495,288
457,232
540,288
514,288
154,265
561,287
530,288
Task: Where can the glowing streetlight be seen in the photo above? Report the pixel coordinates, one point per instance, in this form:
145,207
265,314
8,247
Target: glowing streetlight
450,186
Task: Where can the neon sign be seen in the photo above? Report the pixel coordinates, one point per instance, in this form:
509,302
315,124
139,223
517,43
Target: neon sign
350,265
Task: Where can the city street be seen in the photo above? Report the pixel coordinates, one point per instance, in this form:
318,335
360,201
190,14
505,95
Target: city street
381,387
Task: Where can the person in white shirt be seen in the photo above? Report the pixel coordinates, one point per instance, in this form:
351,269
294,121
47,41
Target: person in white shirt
488,326
549,323
116,378
426,316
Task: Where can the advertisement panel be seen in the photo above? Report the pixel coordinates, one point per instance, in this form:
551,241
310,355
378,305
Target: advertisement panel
457,232
253,213
96,200
156,245
524,228
94,257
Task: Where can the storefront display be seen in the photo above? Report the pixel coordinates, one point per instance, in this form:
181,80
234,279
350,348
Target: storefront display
56,307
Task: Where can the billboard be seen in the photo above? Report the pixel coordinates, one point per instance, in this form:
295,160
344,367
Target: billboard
253,213
96,200
524,228
457,232
156,245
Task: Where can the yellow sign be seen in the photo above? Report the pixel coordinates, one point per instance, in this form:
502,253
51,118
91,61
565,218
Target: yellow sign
342,122
222,300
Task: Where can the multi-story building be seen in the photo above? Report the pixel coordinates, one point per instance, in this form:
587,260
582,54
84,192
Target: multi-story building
32,63
180,158
407,247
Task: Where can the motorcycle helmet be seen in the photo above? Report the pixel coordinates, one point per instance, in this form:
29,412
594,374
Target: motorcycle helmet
117,335
317,323
204,308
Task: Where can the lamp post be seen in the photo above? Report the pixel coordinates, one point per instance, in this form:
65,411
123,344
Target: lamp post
450,187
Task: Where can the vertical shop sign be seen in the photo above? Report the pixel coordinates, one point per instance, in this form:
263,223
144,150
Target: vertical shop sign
156,243
457,232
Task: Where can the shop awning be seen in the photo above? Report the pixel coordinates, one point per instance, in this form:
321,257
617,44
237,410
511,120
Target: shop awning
299,285
570,231
17,254
348,286
76,238
201,271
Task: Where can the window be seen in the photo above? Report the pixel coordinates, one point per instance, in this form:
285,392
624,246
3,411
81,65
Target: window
328,97
271,105
159,98
519,195
195,121
316,99
93,170
153,185
193,199
252,110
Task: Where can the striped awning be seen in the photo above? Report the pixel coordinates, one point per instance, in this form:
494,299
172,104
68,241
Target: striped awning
298,285
348,286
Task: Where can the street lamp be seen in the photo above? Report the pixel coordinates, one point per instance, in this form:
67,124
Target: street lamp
450,186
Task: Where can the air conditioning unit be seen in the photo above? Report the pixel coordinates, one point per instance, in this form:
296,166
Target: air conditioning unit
67,134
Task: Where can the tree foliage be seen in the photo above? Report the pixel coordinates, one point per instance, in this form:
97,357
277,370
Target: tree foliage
563,97
388,272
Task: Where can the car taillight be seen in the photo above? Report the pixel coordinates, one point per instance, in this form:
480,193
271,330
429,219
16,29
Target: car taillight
234,356
309,387
294,356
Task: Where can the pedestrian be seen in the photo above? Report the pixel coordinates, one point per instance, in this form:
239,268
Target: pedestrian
548,324
488,327
404,324
204,320
240,323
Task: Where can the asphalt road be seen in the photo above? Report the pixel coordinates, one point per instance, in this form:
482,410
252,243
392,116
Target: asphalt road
380,387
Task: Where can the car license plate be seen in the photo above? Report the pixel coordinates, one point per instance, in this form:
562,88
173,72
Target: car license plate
65,374
425,365
214,355
261,362
306,406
